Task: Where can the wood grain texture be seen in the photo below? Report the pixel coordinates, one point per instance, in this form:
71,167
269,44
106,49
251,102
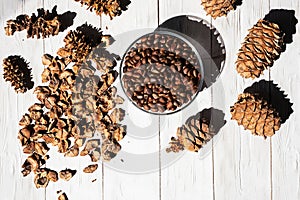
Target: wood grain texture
13,105
285,144
190,176
140,16
235,166
241,159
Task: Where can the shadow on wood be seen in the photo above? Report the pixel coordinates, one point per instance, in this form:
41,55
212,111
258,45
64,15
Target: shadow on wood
124,4
67,20
274,96
215,118
237,3
92,34
286,20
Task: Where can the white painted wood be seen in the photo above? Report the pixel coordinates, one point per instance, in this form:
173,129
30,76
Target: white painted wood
237,166
285,144
190,176
140,16
242,161
13,105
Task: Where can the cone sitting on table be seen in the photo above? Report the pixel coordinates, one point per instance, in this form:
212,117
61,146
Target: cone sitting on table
219,8
46,23
197,131
80,42
256,115
17,71
261,47
265,42
191,136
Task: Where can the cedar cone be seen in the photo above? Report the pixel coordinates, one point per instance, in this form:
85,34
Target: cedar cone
63,196
256,115
44,24
79,43
218,8
112,8
192,135
261,47
17,71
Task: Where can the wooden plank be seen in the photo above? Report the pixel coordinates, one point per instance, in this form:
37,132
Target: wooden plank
240,158
13,105
285,144
81,185
121,179
192,174
237,168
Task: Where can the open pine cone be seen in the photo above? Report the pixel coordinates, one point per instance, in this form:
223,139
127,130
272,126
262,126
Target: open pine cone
195,133
112,8
44,24
256,115
17,71
218,8
79,43
262,46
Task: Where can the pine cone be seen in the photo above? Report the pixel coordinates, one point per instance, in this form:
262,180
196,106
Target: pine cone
262,46
193,135
112,8
44,24
256,115
218,8
79,43
19,24
17,71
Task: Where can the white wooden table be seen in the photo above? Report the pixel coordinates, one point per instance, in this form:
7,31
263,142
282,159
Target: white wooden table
238,166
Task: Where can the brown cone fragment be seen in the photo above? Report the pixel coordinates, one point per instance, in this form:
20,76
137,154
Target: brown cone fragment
109,149
90,168
75,103
43,176
218,8
256,115
67,174
32,163
261,47
17,71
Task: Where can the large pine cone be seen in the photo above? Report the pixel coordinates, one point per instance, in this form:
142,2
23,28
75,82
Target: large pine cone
192,135
44,24
218,8
261,47
256,115
79,43
112,8
17,71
